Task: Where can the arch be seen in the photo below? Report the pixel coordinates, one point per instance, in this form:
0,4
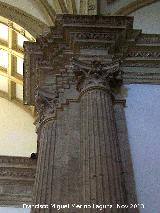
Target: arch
134,6
18,137
33,25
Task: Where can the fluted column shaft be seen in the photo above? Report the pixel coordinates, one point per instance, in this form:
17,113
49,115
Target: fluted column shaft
99,151
43,188
100,154
125,151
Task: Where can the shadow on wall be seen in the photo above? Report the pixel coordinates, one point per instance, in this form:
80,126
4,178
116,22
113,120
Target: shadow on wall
143,121
17,135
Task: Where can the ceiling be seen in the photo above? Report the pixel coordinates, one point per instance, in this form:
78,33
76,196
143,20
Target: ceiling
46,10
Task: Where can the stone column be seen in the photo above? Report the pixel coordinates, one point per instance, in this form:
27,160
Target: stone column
43,193
100,156
43,190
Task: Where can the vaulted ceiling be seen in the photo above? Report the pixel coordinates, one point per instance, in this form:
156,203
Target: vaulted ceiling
46,10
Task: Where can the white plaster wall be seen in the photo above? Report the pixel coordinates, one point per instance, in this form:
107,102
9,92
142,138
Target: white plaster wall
148,18
17,132
143,121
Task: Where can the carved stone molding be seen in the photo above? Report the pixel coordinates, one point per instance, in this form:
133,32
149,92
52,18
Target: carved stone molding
144,54
17,168
149,39
5,160
69,20
65,40
45,103
90,38
17,176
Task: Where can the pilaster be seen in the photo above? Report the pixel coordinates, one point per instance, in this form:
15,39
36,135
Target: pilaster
125,152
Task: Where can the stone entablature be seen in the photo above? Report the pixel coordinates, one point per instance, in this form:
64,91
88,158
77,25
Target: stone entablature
17,175
92,37
105,38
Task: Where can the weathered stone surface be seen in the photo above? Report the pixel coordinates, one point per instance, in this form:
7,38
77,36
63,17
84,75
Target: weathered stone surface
126,161
17,176
78,93
58,167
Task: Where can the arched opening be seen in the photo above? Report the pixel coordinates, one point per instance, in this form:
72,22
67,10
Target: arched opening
18,137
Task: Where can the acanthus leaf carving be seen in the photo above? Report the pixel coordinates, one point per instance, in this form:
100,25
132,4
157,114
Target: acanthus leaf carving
45,103
94,73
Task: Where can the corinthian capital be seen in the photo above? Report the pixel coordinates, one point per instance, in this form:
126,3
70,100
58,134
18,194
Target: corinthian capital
94,73
45,103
